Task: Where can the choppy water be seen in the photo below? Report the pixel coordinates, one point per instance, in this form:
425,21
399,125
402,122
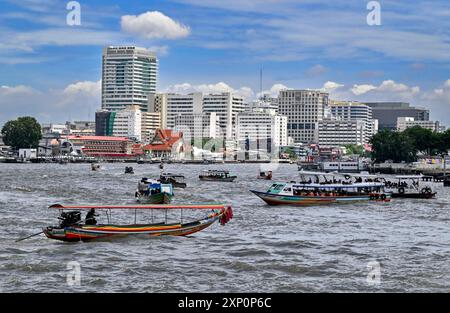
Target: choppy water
263,249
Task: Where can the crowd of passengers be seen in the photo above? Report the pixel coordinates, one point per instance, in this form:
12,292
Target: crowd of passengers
340,181
332,193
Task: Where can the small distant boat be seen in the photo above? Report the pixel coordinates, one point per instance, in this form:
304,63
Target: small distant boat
129,170
150,191
177,181
95,167
265,175
408,186
447,181
217,175
71,228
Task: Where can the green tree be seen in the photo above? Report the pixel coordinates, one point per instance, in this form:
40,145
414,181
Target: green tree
395,146
423,139
443,142
25,132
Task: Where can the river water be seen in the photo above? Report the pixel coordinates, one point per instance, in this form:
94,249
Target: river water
262,249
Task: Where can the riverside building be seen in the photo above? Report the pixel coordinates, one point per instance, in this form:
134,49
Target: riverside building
303,109
129,75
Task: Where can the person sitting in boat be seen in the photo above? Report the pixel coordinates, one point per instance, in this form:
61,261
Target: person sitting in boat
90,217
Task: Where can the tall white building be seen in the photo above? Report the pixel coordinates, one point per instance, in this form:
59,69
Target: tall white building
198,126
303,109
129,75
179,105
262,125
227,106
127,123
332,132
347,110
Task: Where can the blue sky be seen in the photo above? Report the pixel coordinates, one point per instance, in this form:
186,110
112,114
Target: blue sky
52,71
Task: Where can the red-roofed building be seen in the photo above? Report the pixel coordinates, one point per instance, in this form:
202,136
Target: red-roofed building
165,144
104,146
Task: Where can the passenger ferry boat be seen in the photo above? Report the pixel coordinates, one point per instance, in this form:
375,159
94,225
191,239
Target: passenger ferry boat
408,186
315,190
216,175
153,192
177,181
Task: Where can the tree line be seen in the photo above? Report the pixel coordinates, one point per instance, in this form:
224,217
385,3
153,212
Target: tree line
405,146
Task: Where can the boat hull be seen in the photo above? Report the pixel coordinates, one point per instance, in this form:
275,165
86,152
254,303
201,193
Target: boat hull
159,198
274,199
414,195
174,184
92,232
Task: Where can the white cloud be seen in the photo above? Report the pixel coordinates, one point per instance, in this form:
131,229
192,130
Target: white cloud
219,87
154,25
78,100
330,86
274,90
160,50
447,84
386,89
361,89
85,88
16,90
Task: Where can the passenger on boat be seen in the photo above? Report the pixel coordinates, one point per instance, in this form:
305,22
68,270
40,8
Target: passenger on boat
90,217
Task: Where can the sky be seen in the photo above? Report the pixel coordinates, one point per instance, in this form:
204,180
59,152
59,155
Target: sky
52,70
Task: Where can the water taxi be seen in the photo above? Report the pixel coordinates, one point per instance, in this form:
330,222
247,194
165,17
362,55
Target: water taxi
177,181
319,188
408,186
151,191
217,175
265,175
72,228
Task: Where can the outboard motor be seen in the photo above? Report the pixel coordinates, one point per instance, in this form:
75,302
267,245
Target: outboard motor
69,218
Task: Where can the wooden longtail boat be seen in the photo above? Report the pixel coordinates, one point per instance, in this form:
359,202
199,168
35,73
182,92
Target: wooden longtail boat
71,228
314,194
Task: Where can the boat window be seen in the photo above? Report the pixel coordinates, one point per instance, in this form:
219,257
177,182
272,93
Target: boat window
287,189
277,187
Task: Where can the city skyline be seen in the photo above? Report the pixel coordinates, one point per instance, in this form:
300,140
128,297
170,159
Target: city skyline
53,71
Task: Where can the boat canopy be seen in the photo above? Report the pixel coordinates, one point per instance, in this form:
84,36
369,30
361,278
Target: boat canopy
141,207
338,186
172,175
216,171
409,176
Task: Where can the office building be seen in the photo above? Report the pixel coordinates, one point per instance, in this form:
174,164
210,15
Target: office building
227,106
198,126
303,109
332,132
262,125
404,123
129,75
123,123
387,113
346,111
